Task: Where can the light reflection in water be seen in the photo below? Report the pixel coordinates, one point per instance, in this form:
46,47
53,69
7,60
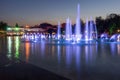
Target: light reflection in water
68,55
118,49
53,50
91,52
113,48
42,48
78,53
59,53
69,59
86,54
9,40
27,51
32,49
17,43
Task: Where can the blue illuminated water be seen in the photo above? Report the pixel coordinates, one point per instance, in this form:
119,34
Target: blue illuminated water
74,61
58,31
78,33
68,30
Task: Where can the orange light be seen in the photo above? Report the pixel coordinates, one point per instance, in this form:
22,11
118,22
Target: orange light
27,47
27,26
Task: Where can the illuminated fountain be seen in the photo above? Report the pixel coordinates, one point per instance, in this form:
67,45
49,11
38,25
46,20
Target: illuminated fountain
86,30
68,30
115,38
58,31
89,33
78,26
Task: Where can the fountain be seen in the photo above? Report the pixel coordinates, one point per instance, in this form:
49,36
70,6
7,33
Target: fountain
59,31
115,38
68,30
89,34
78,26
78,36
86,33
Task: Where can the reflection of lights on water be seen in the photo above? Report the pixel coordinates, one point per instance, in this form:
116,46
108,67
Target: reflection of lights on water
90,53
118,49
17,47
86,54
53,50
58,51
27,49
42,47
9,47
58,42
113,48
78,57
68,55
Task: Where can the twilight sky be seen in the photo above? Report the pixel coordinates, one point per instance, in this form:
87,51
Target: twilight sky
33,12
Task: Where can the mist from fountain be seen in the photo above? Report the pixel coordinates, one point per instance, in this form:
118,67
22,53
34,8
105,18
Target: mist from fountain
91,29
86,33
78,25
68,30
58,31
96,35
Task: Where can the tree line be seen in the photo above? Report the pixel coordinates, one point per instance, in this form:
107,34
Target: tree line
109,25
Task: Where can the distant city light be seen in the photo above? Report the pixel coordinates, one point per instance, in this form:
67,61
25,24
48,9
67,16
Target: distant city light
27,26
118,30
9,29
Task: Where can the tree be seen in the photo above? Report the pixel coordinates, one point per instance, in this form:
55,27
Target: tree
113,22
3,26
45,25
110,24
50,30
16,25
112,28
100,24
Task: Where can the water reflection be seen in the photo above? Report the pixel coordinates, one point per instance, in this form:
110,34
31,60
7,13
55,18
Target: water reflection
17,44
59,53
13,45
93,52
113,48
9,42
68,55
86,54
42,48
90,52
78,57
118,49
53,51
27,51
68,60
